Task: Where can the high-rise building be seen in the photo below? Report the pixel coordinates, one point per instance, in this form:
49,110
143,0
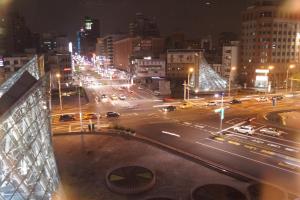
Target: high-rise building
143,26
105,47
15,36
27,164
87,36
270,40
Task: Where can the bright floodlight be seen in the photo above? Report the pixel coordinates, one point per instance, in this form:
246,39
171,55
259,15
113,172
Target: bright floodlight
57,75
271,67
191,70
292,66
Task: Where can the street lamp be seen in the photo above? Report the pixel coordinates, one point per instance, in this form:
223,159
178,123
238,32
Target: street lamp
230,76
191,70
271,67
287,77
59,90
79,102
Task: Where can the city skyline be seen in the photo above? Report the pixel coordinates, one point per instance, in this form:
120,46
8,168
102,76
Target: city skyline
188,18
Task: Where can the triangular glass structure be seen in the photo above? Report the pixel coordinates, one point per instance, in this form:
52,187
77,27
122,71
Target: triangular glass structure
205,79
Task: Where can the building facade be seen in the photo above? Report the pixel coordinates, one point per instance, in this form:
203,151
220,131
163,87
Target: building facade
149,68
11,65
128,49
105,47
230,61
270,38
27,165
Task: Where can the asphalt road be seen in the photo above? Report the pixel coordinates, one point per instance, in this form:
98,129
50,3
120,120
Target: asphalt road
196,130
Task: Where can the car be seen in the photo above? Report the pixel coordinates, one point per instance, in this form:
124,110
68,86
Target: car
169,108
122,97
212,103
271,131
88,116
112,115
186,105
66,118
104,98
262,99
113,97
235,101
277,97
249,130
156,93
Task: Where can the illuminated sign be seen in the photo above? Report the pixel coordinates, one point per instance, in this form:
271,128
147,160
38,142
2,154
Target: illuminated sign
67,69
262,71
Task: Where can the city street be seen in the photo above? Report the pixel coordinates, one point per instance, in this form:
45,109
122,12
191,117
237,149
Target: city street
196,130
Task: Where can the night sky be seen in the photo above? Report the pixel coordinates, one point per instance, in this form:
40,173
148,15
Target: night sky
196,18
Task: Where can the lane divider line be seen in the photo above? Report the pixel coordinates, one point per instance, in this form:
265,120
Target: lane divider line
169,133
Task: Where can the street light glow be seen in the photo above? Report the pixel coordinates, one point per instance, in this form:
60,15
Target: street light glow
271,67
58,75
292,66
191,70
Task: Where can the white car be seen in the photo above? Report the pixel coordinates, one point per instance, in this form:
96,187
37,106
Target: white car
122,97
262,99
212,103
271,131
249,130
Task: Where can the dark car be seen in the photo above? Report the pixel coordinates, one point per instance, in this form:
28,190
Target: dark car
235,101
169,108
65,118
277,97
112,114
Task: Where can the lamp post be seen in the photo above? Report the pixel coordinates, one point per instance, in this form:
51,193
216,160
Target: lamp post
271,67
191,70
230,76
287,77
79,102
59,90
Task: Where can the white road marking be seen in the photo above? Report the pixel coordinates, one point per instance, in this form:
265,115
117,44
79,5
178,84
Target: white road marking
257,161
169,133
199,126
260,139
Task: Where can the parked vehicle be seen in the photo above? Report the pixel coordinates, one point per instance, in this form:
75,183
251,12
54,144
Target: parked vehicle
212,103
88,116
113,97
262,99
235,101
122,97
112,115
249,130
169,108
271,131
66,118
156,93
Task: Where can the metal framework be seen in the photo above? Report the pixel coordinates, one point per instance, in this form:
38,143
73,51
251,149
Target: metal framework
27,165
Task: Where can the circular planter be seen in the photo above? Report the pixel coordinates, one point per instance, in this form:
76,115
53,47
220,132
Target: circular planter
259,191
130,179
216,191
